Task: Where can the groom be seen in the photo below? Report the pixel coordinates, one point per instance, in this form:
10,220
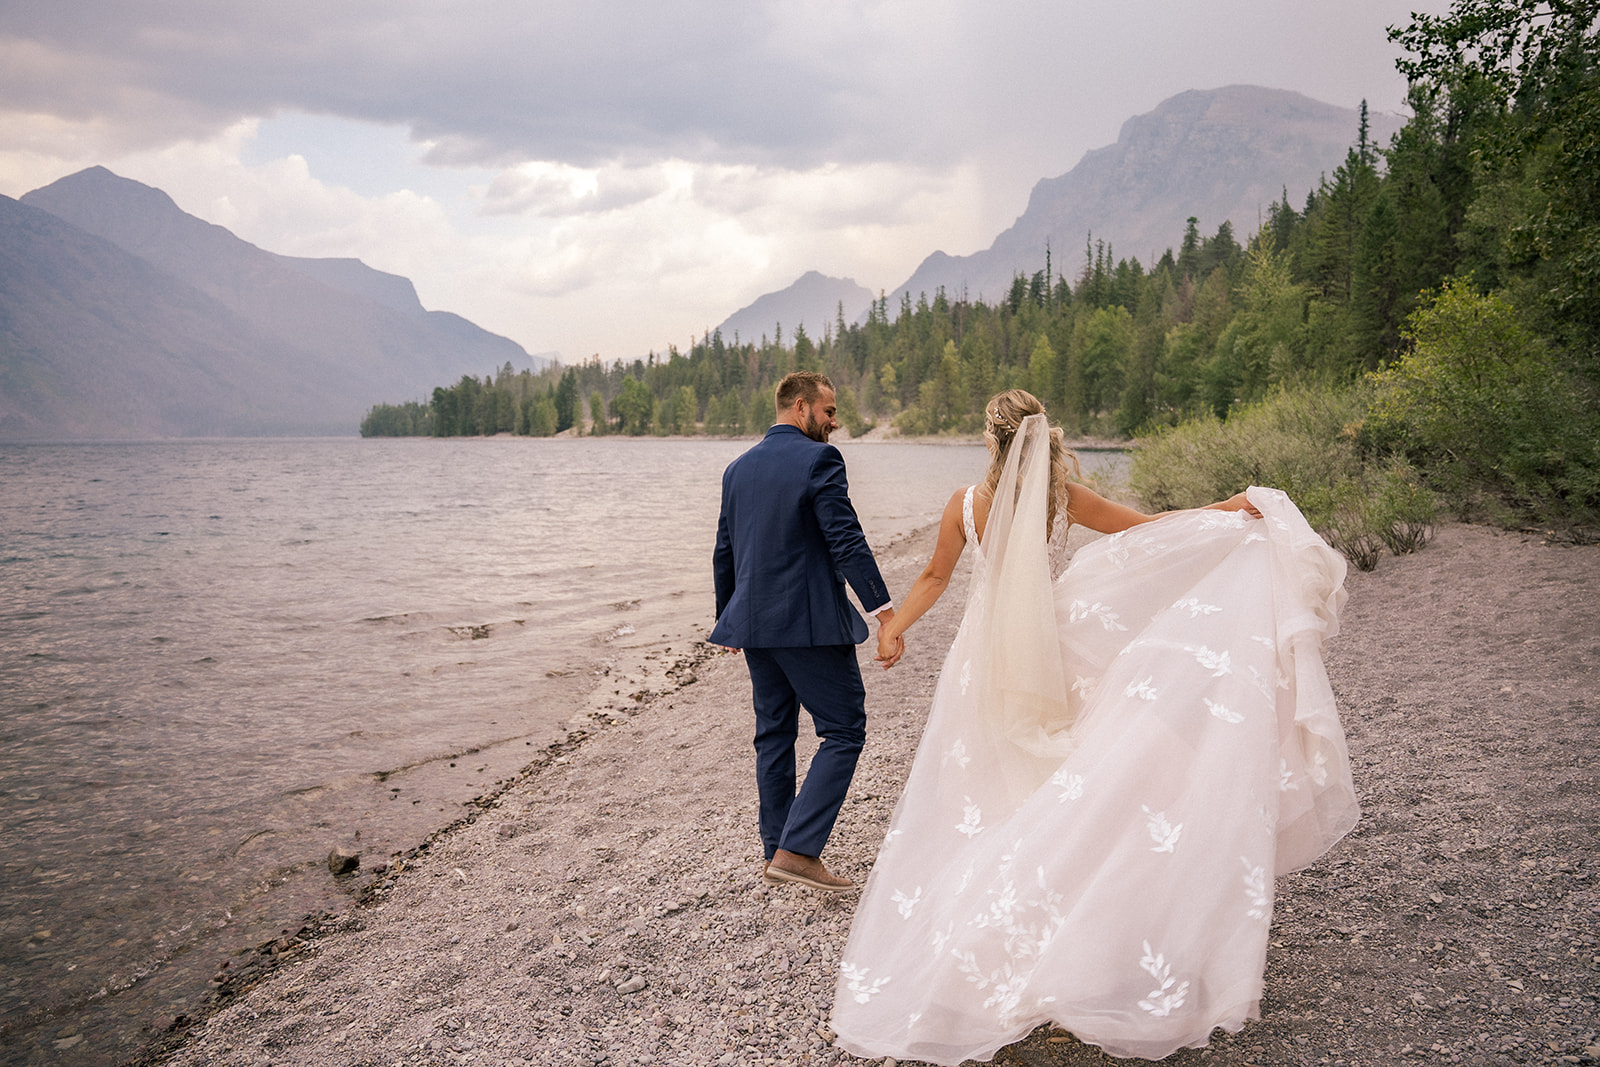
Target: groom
787,541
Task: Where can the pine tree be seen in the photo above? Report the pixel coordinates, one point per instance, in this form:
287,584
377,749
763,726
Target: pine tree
1042,372
1189,250
569,411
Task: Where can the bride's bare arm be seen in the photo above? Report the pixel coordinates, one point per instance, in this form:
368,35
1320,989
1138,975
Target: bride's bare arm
1088,508
930,584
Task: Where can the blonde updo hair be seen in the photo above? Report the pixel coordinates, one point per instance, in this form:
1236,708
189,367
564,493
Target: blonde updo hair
1002,418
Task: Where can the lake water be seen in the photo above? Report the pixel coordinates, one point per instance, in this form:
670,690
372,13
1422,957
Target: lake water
221,659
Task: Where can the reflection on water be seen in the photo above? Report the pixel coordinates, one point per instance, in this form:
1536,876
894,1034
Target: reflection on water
221,659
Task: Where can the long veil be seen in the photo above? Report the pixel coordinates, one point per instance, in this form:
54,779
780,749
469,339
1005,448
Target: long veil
1023,694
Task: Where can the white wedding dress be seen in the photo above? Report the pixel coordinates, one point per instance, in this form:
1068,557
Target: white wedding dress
1115,766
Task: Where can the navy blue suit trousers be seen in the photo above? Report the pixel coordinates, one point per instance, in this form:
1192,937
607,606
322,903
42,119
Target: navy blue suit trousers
826,681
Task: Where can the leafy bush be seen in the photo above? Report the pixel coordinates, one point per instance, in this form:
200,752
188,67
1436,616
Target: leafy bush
1403,509
1381,508
1481,407
1303,441
850,413
1350,528
1296,439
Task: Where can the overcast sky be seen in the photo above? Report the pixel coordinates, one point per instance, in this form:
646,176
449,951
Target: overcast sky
613,176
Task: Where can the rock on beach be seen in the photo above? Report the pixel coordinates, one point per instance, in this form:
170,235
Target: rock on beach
607,906
343,861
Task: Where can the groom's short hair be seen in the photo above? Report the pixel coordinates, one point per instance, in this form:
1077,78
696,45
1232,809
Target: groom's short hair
801,385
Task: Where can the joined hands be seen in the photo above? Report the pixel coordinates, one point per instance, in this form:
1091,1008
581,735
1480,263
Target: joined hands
890,646
890,649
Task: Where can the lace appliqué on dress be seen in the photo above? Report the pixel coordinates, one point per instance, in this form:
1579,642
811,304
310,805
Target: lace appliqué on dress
1060,554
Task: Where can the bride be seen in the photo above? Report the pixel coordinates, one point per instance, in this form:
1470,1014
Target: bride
1116,764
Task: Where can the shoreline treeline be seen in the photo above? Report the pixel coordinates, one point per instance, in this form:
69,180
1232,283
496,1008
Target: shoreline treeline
1427,322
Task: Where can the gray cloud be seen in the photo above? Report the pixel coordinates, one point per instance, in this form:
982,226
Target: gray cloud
1009,91
489,83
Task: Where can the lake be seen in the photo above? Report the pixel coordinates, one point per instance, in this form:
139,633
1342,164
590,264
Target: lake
221,659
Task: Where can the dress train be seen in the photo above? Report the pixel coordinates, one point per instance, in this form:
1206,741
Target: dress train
1102,858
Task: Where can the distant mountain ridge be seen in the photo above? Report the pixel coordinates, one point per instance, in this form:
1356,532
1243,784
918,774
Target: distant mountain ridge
1220,154
121,315
269,344
356,278
813,302
1217,155
96,343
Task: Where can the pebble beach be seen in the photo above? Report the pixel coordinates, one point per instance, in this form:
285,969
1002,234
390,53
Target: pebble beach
605,906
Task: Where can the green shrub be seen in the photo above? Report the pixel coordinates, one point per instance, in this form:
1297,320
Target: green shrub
1403,509
1351,525
1297,439
850,413
1480,405
1301,440
914,420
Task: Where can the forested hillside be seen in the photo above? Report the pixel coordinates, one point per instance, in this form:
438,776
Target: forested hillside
1428,315
1110,349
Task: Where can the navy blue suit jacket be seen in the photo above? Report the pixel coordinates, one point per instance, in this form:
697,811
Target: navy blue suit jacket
787,541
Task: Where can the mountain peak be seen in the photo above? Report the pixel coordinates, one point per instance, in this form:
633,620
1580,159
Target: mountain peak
1215,154
99,185
812,301
198,330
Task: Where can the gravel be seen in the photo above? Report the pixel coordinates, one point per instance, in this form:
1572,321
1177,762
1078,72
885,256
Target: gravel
605,907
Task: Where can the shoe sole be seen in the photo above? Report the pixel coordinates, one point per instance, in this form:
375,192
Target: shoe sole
773,876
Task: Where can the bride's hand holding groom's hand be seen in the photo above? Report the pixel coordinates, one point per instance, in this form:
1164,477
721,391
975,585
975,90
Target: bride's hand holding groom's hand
891,644
926,589
890,648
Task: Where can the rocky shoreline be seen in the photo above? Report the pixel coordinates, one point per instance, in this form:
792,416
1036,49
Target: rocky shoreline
605,907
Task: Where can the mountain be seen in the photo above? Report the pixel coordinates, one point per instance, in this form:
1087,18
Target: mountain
1222,154
812,301
270,325
98,343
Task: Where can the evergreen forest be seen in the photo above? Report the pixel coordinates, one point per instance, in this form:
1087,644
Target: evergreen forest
1422,331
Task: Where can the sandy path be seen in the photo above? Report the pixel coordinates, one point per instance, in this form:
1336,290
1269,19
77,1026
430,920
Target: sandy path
1458,923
